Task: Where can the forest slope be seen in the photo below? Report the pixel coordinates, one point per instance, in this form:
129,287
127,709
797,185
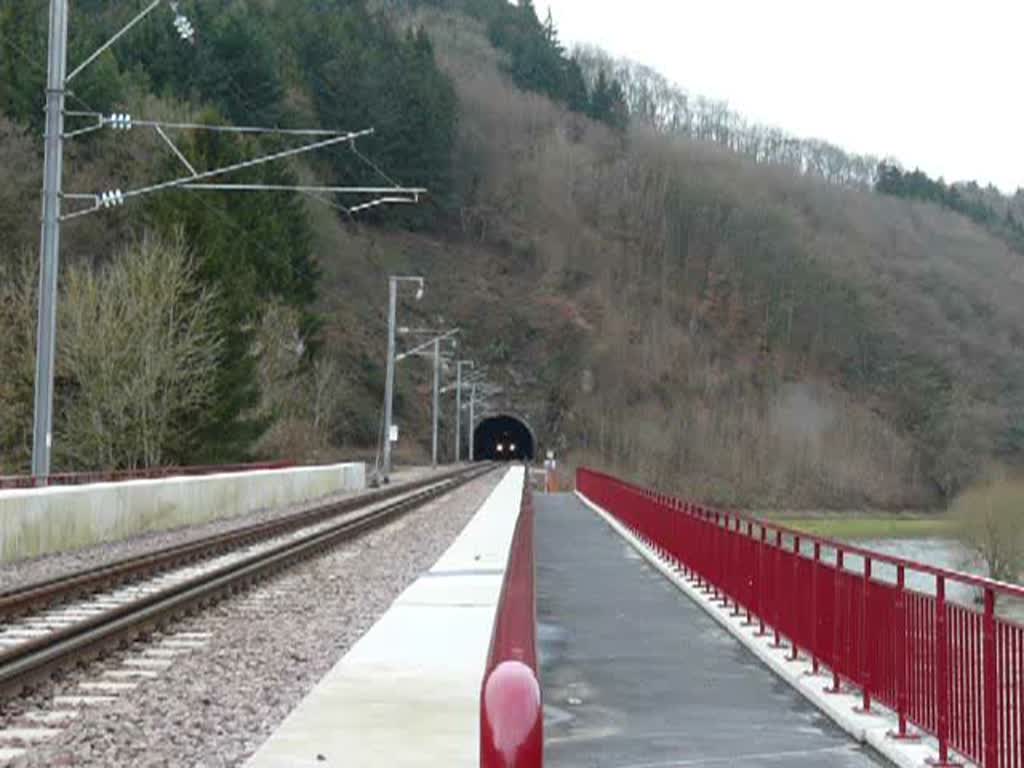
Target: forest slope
741,330
674,309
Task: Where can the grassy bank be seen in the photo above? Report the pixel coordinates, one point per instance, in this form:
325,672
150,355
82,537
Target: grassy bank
863,526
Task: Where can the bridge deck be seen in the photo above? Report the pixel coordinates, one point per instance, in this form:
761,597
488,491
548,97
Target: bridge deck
635,675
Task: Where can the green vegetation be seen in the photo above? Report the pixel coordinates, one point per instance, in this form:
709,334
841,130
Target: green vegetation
329,63
670,291
968,199
854,527
538,62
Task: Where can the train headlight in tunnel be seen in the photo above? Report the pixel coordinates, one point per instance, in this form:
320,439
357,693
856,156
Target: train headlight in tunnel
512,448
500,447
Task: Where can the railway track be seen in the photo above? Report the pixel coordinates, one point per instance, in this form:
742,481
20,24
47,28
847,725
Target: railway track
57,624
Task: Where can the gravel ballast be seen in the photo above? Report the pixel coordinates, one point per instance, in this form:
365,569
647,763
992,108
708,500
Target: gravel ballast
266,649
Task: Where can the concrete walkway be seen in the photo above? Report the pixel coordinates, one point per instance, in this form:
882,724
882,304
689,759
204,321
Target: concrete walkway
407,694
637,676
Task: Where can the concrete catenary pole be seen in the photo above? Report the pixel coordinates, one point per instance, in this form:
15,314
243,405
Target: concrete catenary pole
42,434
458,406
389,381
458,411
437,396
472,422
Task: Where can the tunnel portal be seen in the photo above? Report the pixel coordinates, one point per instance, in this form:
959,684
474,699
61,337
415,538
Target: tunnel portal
503,438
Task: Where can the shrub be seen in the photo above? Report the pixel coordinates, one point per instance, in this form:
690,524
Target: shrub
990,518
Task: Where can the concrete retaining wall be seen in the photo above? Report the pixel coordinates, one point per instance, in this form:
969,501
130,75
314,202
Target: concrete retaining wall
42,521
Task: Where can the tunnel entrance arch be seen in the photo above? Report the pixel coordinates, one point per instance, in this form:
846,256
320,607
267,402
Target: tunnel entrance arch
504,437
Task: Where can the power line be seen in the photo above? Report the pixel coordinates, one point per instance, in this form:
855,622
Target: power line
105,120
323,86
118,197
373,165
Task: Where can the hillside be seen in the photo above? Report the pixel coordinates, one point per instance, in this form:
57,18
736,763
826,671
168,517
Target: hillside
662,304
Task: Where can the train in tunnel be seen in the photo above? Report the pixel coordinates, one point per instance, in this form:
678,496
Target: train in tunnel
503,438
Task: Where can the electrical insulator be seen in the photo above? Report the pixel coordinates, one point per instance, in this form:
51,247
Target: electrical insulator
185,29
120,121
112,199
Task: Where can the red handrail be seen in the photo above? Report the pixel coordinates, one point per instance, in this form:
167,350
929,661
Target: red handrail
511,710
118,476
955,672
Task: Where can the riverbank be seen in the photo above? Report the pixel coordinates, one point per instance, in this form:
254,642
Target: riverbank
863,526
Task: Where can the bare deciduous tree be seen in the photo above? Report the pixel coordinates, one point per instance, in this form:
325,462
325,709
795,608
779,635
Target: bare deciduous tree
303,400
139,349
991,524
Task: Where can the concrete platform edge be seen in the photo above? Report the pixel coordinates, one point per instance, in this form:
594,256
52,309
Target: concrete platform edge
406,694
872,730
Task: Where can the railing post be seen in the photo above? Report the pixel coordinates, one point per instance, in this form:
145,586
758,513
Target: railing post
865,634
737,553
700,534
776,551
815,662
726,559
795,655
710,552
902,653
836,633
991,682
942,671
761,590
716,565
751,579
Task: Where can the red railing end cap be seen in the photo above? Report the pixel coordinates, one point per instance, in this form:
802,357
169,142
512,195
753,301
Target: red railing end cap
512,718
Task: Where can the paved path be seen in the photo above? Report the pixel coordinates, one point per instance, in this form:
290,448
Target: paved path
635,675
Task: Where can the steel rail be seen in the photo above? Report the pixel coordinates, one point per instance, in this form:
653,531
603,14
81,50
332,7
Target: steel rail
25,664
15,602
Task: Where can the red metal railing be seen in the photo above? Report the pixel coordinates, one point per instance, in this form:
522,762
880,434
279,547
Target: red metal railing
906,634
152,473
511,711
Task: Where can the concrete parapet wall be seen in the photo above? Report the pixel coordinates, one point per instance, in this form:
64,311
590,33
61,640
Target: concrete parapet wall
41,521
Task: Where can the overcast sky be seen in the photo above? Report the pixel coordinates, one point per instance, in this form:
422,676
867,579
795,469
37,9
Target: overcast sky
933,83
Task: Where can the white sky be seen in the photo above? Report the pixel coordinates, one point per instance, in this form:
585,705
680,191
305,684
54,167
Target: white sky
934,83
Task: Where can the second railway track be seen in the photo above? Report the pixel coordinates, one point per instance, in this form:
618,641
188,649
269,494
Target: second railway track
59,623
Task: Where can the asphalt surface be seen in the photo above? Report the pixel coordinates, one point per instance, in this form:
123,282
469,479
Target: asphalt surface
636,675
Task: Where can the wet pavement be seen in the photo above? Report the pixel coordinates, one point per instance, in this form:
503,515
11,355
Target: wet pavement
636,675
